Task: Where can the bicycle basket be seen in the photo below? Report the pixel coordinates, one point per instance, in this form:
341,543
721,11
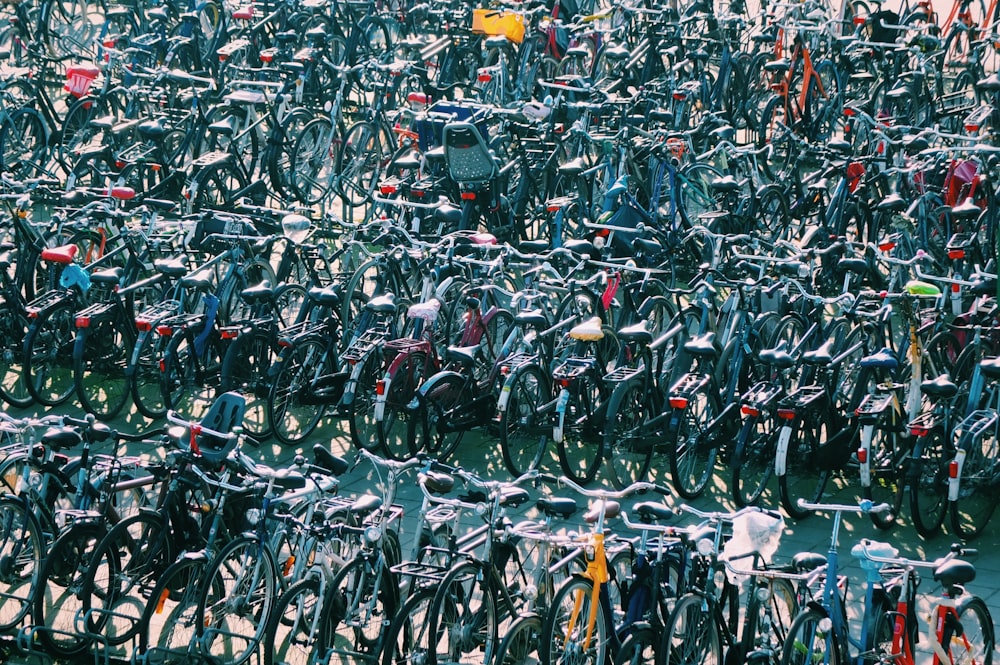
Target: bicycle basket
493,22
79,79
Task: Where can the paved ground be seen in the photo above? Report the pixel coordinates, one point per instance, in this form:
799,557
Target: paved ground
812,534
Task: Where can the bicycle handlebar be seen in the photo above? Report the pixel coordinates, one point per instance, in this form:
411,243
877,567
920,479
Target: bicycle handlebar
864,507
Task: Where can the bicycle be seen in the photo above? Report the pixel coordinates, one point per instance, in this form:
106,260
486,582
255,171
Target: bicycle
960,622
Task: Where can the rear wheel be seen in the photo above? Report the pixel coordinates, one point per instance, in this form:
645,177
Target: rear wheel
581,441
361,410
295,410
147,391
524,431
691,449
49,353
190,377
628,444
753,461
804,478
887,459
929,483
13,329
22,545
100,356
690,635
245,369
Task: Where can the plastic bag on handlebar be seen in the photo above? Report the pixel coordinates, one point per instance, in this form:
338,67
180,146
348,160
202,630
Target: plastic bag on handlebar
752,532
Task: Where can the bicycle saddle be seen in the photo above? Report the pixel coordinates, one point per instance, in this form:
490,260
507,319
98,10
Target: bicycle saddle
588,331
990,367
884,359
324,459
637,333
954,572
803,562
612,509
941,386
702,345
557,506
777,357
383,304
652,511
60,438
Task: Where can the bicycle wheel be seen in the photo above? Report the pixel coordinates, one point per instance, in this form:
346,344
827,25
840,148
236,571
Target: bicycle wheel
100,355
122,573
567,636
167,633
524,431
245,369
775,129
361,409
190,377
408,639
977,641
364,596
810,641
753,460
313,159
216,186
373,41
886,461
294,414
929,483
394,427
803,478
690,636
57,603
697,197
49,355
580,440
237,593
464,616
520,644
147,391
13,329
690,450
23,143
628,445
360,162
437,427
280,147
300,629
972,509
22,546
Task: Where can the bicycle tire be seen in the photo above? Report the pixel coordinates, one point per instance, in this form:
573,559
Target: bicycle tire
628,444
23,143
976,502
690,635
22,548
929,483
189,378
100,356
408,639
978,633
775,129
215,186
692,460
48,349
807,645
313,158
361,408
394,428
360,161
147,392
299,366
365,594
122,572
281,142
246,370
580,445
168,626
752,464
524,432
13,330
57,602
521,641
887,458
299,630
435,426
802,478
565,631
238,591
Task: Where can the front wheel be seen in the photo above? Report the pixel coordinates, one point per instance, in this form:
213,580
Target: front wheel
524,430
690,636
292,404
568,636
300,629
977,641
22,545
809,641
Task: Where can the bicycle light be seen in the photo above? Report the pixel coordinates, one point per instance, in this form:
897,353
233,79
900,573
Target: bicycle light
253,516
705,546
590,552
824,626
763,593
372,534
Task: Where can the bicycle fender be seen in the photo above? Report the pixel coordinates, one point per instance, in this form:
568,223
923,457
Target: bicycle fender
955,480
380,396
430,384
780,461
